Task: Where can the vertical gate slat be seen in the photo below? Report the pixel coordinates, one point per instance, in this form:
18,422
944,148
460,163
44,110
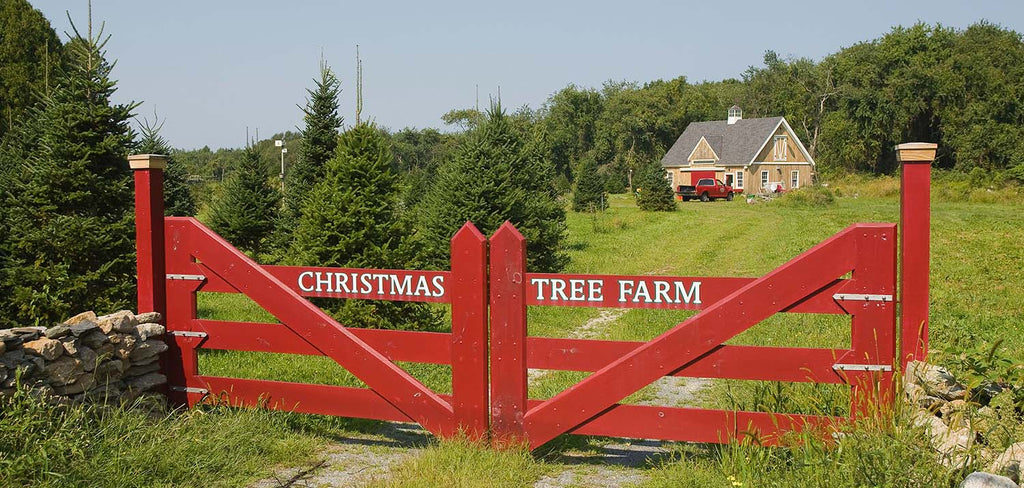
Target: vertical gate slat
468,290
508,335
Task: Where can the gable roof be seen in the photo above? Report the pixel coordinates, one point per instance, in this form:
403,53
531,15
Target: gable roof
735,144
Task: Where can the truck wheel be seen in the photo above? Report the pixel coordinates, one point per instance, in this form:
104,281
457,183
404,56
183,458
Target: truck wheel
728,197
686,199
704,197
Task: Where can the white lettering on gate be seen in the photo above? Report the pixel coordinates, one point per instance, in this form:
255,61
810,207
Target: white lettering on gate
579,290
674,292
379,284
305,274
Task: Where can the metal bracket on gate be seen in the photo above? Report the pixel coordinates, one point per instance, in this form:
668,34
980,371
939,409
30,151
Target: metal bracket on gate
189,389
866,298
189,277
185,333
862,367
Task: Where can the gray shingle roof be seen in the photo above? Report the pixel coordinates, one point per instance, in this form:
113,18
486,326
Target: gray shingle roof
735,144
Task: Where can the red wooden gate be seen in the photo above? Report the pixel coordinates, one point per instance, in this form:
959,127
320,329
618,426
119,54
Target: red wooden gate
179,257
810,283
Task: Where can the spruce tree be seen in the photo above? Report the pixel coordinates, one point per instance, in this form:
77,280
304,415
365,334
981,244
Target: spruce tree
30,53
178,199
653,193
495,176
68,217
352,219
319,140
247,207
588,187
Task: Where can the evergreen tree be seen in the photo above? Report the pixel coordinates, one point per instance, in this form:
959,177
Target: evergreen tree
68,219
494,176
30,52
653,192
588,188
178,200
319,140
246,210
351,219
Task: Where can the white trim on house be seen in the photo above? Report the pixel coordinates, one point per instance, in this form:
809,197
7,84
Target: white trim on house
695,146
794,179
766,178
789,131
737,180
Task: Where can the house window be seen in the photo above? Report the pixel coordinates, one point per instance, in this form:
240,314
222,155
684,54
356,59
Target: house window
764,179
704,162
794,179
781,148
739,180
669,178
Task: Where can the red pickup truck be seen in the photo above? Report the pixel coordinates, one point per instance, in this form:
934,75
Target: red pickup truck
706,189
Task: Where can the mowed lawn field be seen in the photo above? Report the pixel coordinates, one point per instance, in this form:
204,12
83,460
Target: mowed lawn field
976,299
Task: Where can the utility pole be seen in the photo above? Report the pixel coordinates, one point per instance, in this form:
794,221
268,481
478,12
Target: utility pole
284,150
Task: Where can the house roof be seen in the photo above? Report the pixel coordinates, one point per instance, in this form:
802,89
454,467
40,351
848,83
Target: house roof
735,144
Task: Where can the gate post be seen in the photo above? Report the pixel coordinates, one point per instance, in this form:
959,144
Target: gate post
469,331
508,336
915,228
148,172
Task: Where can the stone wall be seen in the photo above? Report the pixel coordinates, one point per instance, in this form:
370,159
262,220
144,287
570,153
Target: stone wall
86,358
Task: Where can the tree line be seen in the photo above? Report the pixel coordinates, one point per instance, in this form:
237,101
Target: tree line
364,196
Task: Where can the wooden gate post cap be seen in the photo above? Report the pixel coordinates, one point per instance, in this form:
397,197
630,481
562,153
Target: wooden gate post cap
147,161
916,152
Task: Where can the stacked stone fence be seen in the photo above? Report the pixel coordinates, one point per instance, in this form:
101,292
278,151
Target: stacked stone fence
87,358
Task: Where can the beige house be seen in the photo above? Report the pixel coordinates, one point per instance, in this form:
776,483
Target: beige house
752,155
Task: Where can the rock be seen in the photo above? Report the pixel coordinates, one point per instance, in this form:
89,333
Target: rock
64,371
144,383
936,381
88,357
955,442
145,331
28,333
146,350
83,383
139,370
149,317
917,396
990,390
146,361
83,327
70,345
3,347
89,316
980,479
106,393
122,321
954,413
127,345
49,349
57,331
931,423
1010,463
3,372
94,339
10,339
109,370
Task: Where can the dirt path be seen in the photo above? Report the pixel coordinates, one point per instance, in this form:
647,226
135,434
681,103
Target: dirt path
355,461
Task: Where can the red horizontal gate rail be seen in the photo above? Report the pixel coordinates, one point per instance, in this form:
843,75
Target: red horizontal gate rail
811,282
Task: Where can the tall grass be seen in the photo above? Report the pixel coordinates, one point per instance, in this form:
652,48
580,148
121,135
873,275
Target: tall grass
141,445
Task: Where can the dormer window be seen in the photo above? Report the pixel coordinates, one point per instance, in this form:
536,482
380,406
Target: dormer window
781,150
735,113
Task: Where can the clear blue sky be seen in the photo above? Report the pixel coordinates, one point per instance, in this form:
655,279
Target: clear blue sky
212,68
